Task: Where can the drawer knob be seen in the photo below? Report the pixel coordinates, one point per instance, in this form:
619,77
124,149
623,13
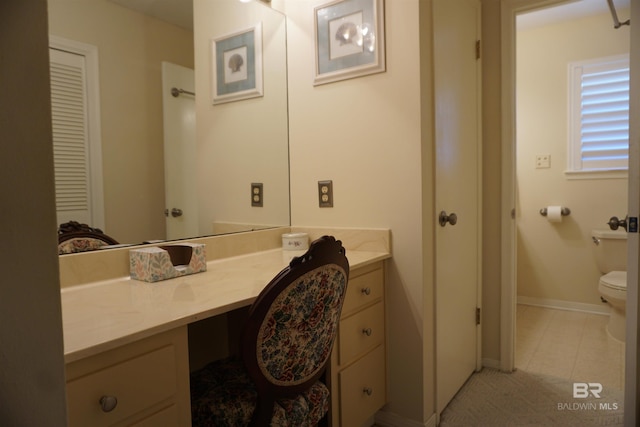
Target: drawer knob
108,403
368,391
366,291
367,331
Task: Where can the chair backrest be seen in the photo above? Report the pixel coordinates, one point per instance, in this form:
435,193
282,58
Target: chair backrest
75,237
293,323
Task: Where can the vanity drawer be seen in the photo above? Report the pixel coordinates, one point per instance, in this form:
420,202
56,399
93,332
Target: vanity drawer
365,288
360,333
167,417
363,388
137,383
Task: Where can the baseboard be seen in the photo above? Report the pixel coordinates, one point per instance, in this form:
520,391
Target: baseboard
389,419
565,305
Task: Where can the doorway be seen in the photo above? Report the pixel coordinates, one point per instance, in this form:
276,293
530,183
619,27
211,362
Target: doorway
179,111
510,9
561,320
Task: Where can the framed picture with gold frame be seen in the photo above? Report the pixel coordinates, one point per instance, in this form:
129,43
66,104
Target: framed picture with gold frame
349,39
236,64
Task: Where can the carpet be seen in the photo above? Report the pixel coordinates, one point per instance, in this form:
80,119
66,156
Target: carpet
494,398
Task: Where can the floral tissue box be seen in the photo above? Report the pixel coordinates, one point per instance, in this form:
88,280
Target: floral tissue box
166,262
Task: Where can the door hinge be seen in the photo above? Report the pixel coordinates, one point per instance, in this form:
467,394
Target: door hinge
477,315
477,49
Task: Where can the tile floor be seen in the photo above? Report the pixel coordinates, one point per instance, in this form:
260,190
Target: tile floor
568,344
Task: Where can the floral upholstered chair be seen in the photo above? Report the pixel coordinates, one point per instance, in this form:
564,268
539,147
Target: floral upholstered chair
286,346
74,237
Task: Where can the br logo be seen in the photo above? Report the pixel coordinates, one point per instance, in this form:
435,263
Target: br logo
583,390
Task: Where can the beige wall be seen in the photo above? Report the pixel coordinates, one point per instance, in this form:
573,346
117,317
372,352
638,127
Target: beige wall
365,134
32,387
243,141
131,47
555,260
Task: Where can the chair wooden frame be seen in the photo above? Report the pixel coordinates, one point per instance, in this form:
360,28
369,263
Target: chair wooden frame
322,252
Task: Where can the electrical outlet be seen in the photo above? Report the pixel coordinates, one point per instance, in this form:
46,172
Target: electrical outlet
543,161
325,194
257,194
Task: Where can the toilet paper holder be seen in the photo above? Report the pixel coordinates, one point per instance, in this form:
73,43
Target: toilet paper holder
564,211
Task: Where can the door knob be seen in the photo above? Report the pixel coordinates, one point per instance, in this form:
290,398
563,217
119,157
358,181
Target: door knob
175,212
443,218
614,223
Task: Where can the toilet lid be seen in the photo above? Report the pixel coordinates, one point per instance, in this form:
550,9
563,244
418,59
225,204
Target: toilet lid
615,279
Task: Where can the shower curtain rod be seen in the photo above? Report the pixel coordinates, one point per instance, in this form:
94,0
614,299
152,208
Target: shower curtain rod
176,92
616,23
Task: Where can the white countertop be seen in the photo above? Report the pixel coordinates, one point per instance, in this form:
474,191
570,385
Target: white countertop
103,315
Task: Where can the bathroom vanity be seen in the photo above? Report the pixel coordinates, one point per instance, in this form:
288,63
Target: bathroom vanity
358,368
127,344
143,383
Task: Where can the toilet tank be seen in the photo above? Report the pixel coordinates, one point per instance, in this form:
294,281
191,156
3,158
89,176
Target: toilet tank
610,250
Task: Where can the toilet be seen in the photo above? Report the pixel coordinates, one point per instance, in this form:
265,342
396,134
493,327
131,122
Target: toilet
611,258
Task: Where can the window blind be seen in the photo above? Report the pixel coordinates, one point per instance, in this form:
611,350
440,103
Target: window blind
604,116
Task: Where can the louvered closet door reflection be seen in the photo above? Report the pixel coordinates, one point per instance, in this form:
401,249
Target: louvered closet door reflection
70,136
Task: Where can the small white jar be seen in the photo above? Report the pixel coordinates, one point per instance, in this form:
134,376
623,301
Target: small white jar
295,242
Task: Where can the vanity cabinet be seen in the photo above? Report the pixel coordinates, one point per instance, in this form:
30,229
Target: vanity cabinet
358,362
144,383
128,357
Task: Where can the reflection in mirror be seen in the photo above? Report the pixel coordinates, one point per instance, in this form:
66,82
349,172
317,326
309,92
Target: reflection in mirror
233,144
246,141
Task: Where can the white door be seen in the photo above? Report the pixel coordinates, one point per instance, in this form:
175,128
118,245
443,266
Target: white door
179,113
75,119
458,184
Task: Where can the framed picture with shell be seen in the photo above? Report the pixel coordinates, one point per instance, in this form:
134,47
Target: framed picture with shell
349,39
236,64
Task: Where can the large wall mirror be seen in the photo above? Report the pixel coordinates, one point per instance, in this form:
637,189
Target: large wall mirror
174,165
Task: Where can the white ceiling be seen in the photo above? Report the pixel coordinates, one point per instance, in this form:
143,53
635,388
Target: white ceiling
571,10
177,12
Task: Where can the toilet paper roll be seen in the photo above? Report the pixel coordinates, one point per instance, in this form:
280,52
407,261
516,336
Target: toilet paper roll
554,213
